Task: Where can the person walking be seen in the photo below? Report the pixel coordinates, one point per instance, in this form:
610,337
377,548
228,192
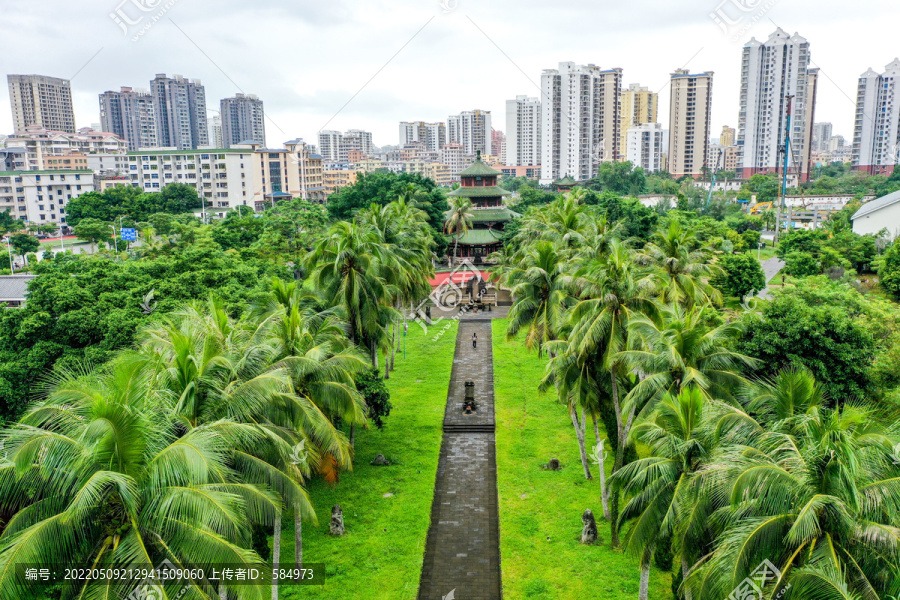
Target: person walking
474,340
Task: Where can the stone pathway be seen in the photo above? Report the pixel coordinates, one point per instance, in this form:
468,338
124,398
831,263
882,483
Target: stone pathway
462,552
771,267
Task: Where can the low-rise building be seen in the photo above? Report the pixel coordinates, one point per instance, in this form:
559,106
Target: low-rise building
527,171
40,143
41,196
875,215
335,180
68,162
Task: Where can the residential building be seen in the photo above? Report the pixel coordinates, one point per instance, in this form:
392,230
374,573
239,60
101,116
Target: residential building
432,135
646,146
40,143
216,137
638,106
523,130
73,161
777,80
689,114
243,118
580,120
369,165
731,159
876,131
726,138
131,115
472,129
454,156
527,171
38,100
439,173
335,180
13,159
498,145
41,196
355,139
821,136
291,172
489,216
180,112
14,289
330,145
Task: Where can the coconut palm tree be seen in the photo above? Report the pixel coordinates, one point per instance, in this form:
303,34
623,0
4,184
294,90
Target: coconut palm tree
458,221
351,265
661,486
821,504
684,266
103,473
613,290
678,348
538,284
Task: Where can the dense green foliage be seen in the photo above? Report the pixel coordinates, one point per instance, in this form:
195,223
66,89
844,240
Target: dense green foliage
742,275
128,201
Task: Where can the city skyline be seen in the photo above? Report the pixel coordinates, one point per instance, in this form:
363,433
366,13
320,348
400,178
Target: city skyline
302,98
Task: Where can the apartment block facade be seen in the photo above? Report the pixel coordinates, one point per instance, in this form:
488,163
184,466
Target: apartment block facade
689,114
243,118
580,120
523,131
131,115
38,100
776,75
646,146
433,136
180,106
876,130
471,129
639,106
41,196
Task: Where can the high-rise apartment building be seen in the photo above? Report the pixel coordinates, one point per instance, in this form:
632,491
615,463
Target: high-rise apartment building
180,112
355,139
638,106
726,138
646,146
876,132
131,115
821,136
243,119
471,129
523,131
215,135
42,101
689,112
580,120
776,75
498,145
432,135
330,145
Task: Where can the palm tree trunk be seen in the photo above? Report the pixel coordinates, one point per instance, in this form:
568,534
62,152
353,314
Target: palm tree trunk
352,435
374,355
684,573
604,491
387,363
617,464
298,537
579,433
223,593
645,574
394,326
276,552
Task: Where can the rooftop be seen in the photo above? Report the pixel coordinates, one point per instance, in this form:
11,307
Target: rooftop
877,204
13,288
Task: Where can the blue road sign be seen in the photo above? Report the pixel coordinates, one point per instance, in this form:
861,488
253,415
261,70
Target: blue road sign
129,235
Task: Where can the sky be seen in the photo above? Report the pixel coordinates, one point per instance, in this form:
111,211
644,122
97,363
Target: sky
335,64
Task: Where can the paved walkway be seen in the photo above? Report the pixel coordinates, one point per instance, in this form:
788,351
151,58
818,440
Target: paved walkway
771,267
462,552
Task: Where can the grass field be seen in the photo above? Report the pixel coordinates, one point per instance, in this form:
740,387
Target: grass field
380,556
540,511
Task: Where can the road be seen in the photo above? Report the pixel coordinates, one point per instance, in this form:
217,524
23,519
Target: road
771,267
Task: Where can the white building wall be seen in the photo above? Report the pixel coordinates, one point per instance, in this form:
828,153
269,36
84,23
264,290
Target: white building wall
884,218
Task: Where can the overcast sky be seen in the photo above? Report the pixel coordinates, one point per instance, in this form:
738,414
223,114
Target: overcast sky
336,64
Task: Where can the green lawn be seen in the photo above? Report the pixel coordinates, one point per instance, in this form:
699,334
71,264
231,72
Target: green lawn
540,511
380,556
